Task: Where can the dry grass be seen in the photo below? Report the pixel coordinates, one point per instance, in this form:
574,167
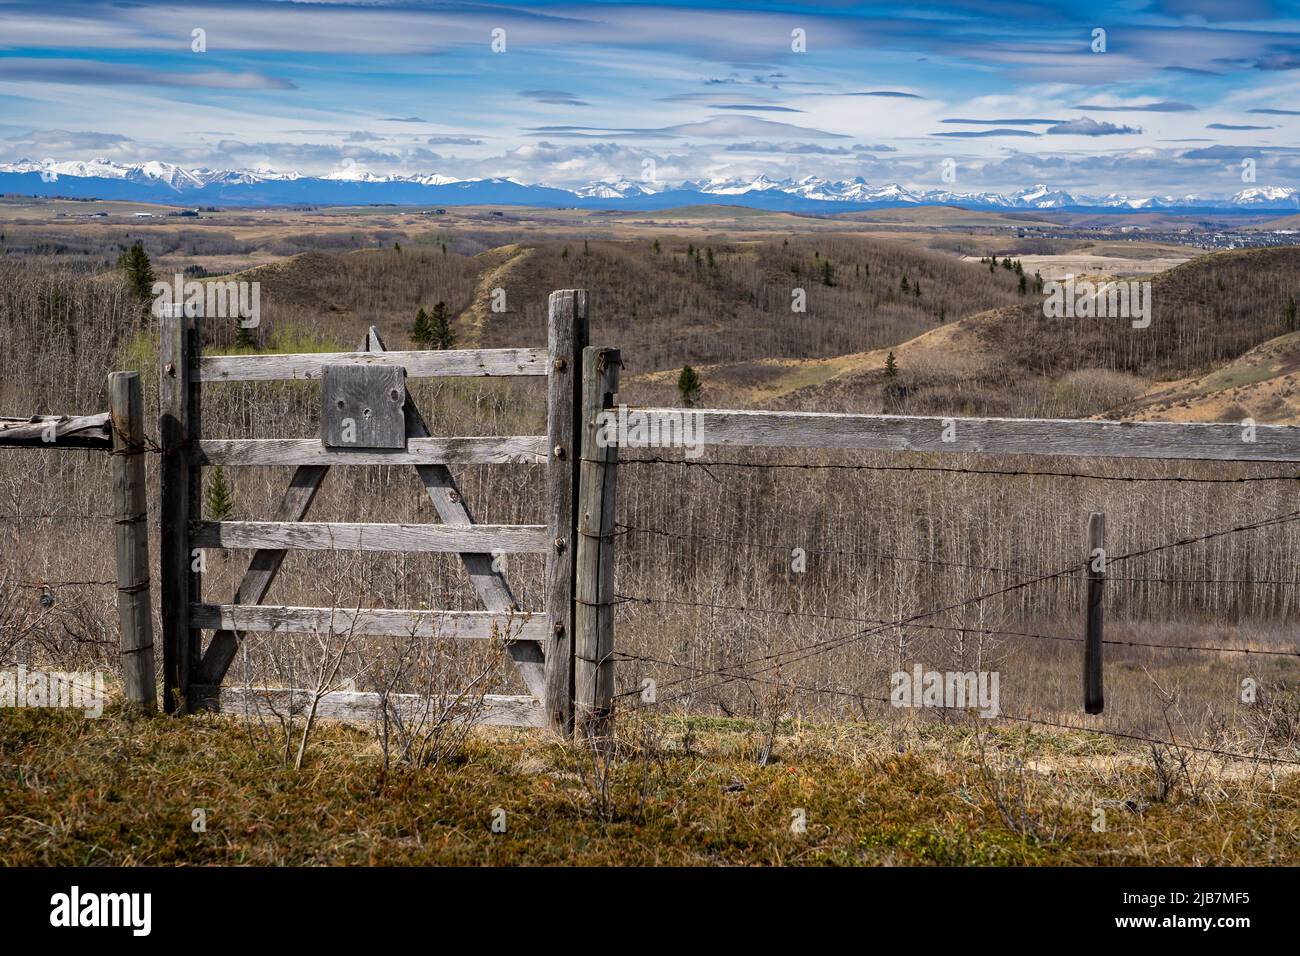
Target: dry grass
122,791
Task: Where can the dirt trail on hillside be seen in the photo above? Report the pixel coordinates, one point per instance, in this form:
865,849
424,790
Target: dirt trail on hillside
471,324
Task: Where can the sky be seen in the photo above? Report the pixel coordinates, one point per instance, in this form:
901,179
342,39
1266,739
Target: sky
1133,96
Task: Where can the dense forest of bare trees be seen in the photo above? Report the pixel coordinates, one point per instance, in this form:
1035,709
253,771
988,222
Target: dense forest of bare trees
880,545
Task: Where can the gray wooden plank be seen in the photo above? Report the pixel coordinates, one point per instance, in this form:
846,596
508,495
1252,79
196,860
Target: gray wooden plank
490,450
567,336
67,431
178,585
459,625
131,538
354,536
496,709
593,638
418,364
1006,436
361,406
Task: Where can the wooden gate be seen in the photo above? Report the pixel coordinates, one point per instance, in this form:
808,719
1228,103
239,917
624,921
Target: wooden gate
539,641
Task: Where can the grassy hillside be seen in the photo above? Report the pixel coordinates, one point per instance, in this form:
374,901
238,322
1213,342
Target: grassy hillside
1013,361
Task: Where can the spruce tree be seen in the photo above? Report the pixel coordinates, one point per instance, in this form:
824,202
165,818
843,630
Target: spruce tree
828,274
139,271
440,333
220,497
420,331
688,386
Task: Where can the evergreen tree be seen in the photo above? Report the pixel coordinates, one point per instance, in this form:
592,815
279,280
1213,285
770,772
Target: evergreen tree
220,497
245,338
420,331
892,389
655,246
1291,316
712,262
1024,285
440,334
828,274
139,272
903,285
688,386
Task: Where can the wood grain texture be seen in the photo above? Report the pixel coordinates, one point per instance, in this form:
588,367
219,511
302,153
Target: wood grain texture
265,564
490,583
175,430
351,536
593,667
68,431
497,710
421,364
525,449
131,524
1009,436
567,337
459,625
361,406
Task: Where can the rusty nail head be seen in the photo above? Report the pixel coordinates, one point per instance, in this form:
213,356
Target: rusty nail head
560,364
559,544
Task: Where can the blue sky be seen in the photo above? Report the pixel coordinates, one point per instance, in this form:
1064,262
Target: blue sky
1011,93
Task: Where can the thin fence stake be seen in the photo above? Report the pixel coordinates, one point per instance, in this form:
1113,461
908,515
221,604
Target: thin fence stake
1094,700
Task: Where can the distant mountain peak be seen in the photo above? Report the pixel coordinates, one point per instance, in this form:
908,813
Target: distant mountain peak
163,182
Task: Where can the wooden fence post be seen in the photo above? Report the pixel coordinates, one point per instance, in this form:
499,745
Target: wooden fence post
131,520
594,580
177,421
1093,697
567,337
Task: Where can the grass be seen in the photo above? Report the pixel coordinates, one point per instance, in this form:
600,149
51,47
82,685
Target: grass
122,790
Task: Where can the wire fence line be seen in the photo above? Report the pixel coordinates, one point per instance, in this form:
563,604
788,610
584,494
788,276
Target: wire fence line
624,529
1019,718
1003,632
951,470
753,668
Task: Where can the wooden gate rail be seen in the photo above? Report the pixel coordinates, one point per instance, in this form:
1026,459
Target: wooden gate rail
995,436
538,642
68,431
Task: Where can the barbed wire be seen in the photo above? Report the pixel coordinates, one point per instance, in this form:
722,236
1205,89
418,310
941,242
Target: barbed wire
40,586
948,469
623,529
991,631
1020,718
57,516
773,660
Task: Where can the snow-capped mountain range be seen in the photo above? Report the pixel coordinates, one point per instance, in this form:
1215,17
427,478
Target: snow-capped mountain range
166,183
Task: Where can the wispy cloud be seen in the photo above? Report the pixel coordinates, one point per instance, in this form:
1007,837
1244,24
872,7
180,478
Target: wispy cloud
1165,106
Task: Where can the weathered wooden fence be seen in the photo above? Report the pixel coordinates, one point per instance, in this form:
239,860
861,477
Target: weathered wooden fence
649,427
356,389
563,651
120,432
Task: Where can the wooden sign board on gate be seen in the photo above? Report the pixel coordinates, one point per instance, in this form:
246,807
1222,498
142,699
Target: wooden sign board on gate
362,406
